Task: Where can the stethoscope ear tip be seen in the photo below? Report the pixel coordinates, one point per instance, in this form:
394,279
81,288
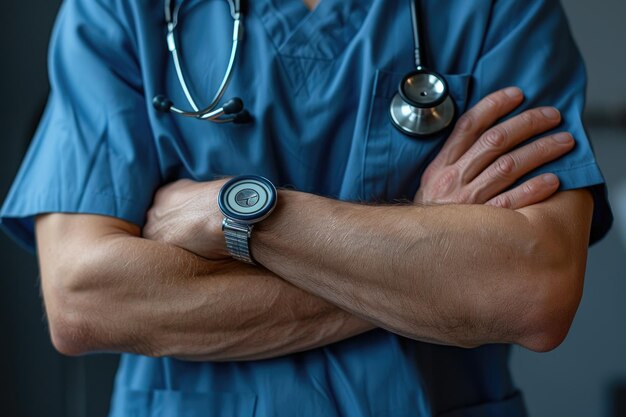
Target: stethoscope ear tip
243,117
233,106
162,103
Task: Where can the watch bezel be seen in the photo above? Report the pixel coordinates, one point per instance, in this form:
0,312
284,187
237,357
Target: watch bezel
247,218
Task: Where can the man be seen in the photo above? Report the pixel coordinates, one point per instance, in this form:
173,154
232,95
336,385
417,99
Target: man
351,309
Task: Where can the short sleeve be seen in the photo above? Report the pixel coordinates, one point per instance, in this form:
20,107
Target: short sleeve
93,151
529,45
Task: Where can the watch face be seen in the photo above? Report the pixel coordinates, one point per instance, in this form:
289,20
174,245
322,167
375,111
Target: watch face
248,199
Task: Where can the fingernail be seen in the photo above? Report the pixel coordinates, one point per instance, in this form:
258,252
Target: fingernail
513,92
550,112
564,138
550,179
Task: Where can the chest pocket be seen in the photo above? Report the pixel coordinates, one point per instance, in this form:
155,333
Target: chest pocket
394,162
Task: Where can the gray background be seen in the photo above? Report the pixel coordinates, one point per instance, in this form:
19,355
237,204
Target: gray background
584,377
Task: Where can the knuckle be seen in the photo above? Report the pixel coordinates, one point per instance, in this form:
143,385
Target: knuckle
492,102
505,165
541,147
494,138
529,118
447,180
528,187
466,196
503,201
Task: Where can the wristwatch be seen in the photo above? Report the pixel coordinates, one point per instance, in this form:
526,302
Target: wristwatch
244,201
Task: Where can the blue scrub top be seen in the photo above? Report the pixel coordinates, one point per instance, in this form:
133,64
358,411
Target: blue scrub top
318,85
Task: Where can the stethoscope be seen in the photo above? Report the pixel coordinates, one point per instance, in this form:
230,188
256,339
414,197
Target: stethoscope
422,106
231,111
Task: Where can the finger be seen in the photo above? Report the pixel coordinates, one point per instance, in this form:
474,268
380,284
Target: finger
531,192
503,137
512,166
476,121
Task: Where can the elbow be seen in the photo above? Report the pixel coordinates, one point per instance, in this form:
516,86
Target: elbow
546,330
68,335
85,314
552,296
547,333
66,293
87,307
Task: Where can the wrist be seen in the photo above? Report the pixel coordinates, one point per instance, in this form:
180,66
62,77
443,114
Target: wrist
267,233
296,219
210,224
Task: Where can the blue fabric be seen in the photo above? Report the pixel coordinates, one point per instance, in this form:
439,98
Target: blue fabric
318,85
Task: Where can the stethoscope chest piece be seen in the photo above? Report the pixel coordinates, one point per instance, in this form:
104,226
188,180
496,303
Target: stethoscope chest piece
422,106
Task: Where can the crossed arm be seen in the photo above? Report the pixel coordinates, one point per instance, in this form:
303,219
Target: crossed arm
454,274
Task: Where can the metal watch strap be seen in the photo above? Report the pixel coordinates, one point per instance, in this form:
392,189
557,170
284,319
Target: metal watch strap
238,240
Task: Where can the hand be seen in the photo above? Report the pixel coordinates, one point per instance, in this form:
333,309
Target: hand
477,164
185,214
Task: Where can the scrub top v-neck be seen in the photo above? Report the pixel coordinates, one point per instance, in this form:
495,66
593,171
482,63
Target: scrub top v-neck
320,33
318,84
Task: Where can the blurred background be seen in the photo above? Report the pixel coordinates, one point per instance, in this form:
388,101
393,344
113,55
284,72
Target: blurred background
584,377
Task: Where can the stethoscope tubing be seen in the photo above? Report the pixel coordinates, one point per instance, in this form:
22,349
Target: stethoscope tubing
209,112
417,33
407,114
410,116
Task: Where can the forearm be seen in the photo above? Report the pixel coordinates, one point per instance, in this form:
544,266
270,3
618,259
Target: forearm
130,294
462,275
454,274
